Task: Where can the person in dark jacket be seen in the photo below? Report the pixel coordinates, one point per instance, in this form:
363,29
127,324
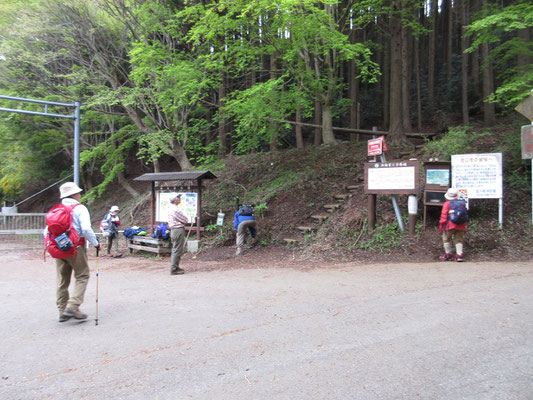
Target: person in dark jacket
452,234
243,223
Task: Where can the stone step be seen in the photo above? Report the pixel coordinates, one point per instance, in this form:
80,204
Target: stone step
331,207
289,241
341,196
319,217
306,229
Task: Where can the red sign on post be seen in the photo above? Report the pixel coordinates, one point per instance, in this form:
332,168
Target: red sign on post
377,146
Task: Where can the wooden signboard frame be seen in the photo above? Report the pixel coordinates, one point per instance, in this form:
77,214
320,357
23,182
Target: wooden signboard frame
396,177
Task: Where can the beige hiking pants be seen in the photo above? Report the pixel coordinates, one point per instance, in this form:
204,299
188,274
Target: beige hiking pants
78,265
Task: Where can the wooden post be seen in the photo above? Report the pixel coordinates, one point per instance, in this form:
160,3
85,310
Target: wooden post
199,209
152,208
372,211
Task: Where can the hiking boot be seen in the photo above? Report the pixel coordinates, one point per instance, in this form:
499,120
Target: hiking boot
177,271
118,255
63,317
459,258
238,252
446,257
76,314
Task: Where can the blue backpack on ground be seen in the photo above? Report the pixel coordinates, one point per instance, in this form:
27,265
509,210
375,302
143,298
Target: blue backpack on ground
161,231
458,212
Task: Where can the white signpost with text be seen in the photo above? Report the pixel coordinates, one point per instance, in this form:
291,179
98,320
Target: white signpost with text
481,175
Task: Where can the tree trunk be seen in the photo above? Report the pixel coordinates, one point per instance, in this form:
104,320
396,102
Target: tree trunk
406,119
222,135
396,133
488,85
431,55
126,185
418,92
318,121
386,84
475,84
298,129
464,62
327,125
449,47
181,157
274,126
354,97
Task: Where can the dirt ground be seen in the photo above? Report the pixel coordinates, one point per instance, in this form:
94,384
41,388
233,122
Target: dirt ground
268,325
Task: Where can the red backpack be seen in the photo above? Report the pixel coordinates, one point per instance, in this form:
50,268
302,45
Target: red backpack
61,240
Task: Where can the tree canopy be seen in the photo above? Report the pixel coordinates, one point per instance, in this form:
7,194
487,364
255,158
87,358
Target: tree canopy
191,81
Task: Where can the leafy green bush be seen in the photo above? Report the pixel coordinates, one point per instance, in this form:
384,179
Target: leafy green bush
458,140
383,238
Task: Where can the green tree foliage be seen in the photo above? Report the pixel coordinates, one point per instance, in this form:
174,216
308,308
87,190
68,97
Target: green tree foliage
499,27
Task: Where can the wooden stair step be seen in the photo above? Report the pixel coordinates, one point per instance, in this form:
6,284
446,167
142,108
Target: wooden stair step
354,188
292,241
331,207
320,217
341,196
306,229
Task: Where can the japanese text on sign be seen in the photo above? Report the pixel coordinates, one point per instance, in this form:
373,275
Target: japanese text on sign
377,146
394,176
480,174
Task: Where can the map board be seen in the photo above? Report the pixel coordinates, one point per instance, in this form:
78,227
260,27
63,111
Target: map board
439,177
188,205
399,177
480,174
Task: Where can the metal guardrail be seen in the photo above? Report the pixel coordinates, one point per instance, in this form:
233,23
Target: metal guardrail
22,224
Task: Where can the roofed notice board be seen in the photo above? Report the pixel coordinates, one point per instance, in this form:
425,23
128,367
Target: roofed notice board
399,177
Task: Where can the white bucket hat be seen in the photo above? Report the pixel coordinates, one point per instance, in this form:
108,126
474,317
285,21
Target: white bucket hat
451,194
67,189
114,210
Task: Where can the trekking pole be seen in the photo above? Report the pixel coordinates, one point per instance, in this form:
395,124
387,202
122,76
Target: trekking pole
188,234
97,271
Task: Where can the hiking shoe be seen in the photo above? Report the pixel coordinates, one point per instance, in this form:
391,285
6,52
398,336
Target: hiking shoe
178,271
459,258
446,257
76,314
63,317
238,252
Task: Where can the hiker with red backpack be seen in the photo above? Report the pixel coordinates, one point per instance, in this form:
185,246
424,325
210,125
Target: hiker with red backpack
69,249
452,225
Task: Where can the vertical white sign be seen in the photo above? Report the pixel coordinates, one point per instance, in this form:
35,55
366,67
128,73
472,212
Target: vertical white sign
480,174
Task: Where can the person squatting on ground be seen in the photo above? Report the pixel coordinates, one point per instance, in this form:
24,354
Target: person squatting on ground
450,231
69,306
243,223
176,224
109,227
